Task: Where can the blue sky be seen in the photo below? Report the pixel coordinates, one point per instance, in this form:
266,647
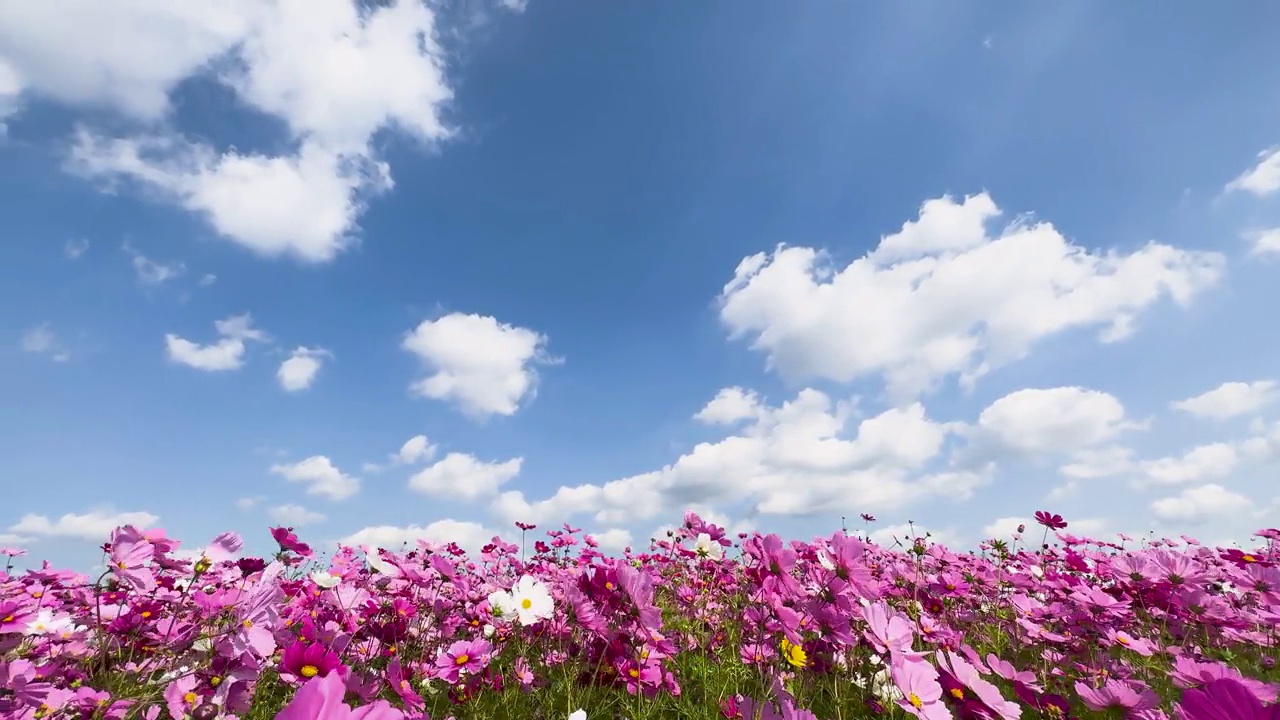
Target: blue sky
1026,265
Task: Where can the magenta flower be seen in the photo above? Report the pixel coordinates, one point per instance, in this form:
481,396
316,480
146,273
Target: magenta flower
14,617
129,553
301,662
1225,699
1050,520
1118,694
287,541
321,699
470,656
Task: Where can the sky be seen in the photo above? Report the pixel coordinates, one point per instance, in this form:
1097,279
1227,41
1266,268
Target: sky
400,270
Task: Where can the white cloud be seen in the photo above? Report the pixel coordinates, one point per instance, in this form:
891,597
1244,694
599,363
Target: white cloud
1264,242
464,477
792,460
151,272
469,536
1230,399
208,279
76,247
483,366
335,72
1206,462
613,541
941,297
41,340
414,449
1003,528
321,477
730,405
1098,463
294,515
1052,420
1263,178
94,525
300,369
1196,505
226,354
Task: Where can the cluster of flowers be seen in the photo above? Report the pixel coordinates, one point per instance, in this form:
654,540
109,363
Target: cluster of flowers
798,630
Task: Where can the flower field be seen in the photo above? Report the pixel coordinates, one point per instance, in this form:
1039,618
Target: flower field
701,626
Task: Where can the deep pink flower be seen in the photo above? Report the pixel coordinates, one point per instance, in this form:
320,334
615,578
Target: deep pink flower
289,542
1050,520
1225,699
301,662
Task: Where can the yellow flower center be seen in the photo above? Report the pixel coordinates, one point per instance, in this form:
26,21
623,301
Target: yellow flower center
7,618
309,671
526,603
608,586
1122,639
122,565
915,701
215,681
957,693
146,613
391,649
248,623
189,698
37,595
462,659
633,673
1248,558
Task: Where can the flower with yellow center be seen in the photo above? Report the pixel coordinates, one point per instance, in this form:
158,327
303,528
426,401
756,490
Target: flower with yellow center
190,698
1249,558
915,701
794,654
462,659
309,671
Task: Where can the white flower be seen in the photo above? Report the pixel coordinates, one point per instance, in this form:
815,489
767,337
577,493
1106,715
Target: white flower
1035,570
578,715
502,604
46,624
381,566
705,547
203,644
325,579
489,630
532,600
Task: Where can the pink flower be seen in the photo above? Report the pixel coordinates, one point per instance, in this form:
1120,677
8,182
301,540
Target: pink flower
1118,694
321,699
470,656
921,692
1224,699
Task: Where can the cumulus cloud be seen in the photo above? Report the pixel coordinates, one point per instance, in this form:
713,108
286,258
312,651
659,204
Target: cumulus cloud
1196,505
1230,399
613,541
415,449
481,365
320,476
225,354
294,515
942,296
464,477
793,459
729,406
1261,179
1206,462
95,525
469,536
1264,242
334,72
1046,421
300,369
